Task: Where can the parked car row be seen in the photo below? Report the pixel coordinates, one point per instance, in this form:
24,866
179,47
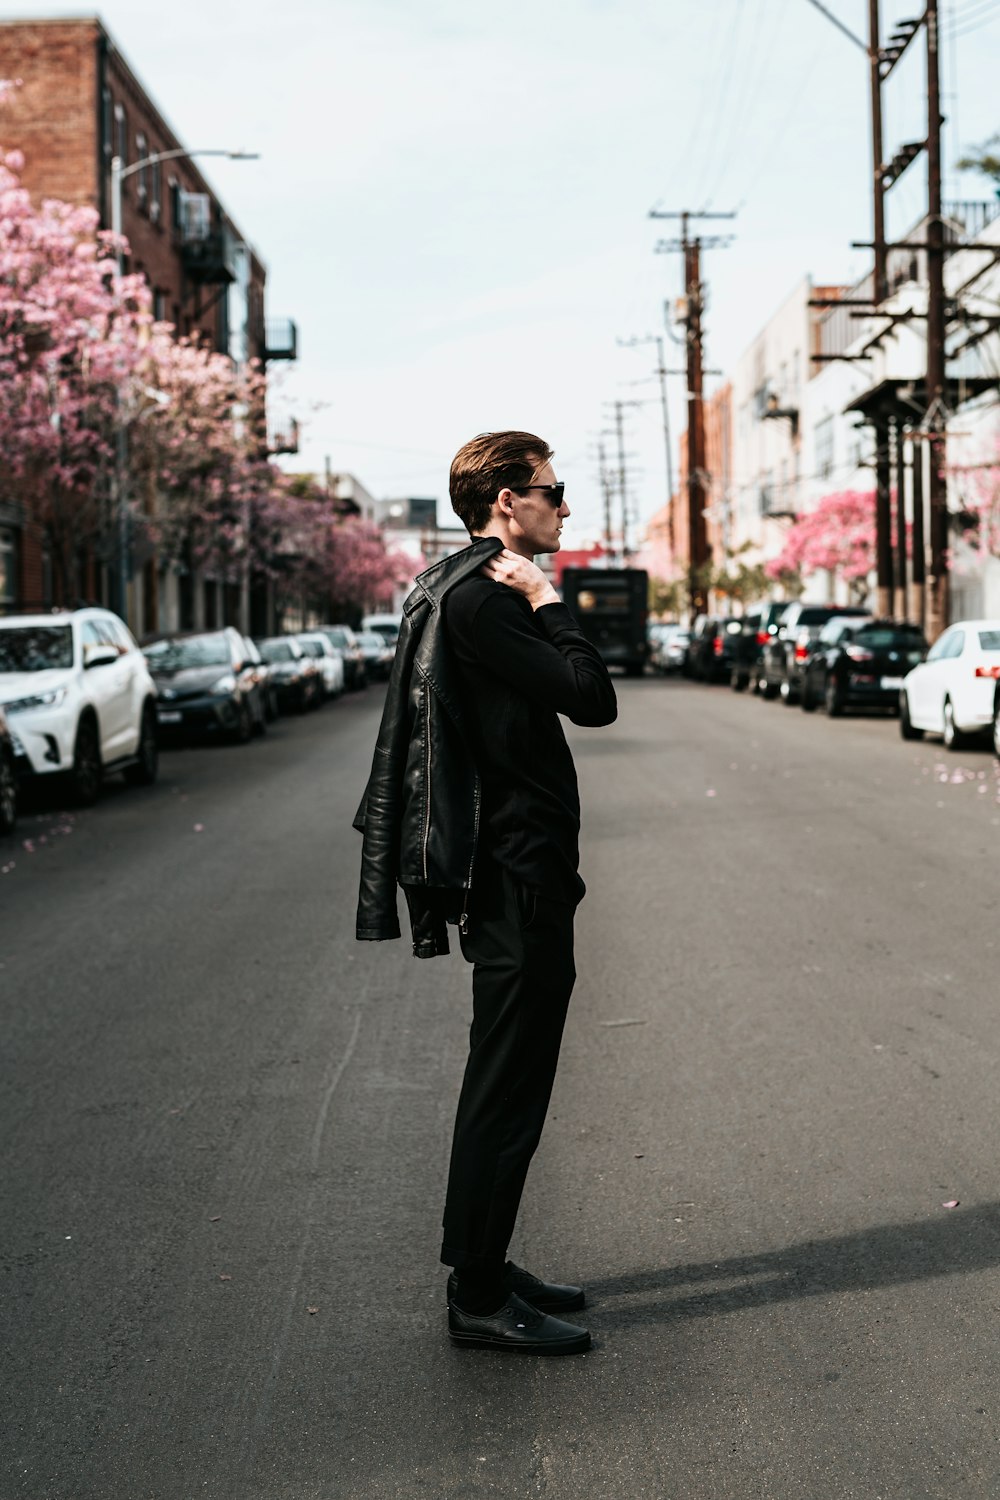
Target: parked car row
840,658
80,700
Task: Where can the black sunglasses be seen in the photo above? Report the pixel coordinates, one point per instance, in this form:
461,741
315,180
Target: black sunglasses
554,492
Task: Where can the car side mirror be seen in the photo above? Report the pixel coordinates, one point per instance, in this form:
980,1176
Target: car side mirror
98,655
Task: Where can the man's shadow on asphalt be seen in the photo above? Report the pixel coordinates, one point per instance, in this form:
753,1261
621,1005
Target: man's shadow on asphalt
952,1242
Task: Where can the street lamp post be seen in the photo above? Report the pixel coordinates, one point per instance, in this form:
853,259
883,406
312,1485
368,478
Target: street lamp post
118,174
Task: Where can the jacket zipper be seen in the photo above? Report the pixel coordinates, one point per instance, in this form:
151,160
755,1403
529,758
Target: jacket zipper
463,921
427,773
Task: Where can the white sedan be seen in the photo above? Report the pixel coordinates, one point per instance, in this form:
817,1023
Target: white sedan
328,659
954,691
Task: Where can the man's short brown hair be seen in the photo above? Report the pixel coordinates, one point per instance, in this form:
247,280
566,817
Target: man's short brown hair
493,461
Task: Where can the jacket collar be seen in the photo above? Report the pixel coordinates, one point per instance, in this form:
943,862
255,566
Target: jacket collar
436,580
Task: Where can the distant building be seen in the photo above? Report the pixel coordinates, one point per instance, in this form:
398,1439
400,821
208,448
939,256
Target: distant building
770,393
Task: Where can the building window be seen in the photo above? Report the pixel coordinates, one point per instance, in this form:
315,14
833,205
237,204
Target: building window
824,448
155,191
159,305
121,134
141,152
175,203
8,567
107,122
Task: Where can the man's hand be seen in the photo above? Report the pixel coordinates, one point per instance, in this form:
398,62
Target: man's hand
522,576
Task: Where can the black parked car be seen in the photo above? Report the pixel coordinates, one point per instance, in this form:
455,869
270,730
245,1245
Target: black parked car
8,778
295,676
712,649
262,671
787,652
205,685
863,667
758,628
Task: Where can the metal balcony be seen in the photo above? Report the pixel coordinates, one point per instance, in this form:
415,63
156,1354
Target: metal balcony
281,339
286,439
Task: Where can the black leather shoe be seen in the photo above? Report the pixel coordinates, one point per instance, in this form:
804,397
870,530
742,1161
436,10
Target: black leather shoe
546,1296
517,1326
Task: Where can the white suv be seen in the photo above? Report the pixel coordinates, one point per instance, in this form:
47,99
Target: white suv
78,697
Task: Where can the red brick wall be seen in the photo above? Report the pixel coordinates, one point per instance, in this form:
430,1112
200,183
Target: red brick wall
52,118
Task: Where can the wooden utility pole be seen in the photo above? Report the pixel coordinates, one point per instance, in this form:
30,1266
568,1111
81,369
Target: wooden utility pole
622,477
883,516
880,291
918,604
698,549
881,287
936,419
699,553
900,608
606,489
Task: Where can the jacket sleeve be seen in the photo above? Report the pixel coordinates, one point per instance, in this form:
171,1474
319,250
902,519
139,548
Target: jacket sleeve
379,817
544,655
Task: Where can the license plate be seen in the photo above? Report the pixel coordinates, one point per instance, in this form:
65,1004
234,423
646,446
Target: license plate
169,715
892,682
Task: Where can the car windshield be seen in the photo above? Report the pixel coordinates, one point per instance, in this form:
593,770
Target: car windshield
191,651
884,637
989,640
388,632
373,641
272,651
35,648
339,635
312,648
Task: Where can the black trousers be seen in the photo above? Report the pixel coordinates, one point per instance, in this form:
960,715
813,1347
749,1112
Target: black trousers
521,947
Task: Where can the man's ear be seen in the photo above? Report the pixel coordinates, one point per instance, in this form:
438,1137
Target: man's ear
504,501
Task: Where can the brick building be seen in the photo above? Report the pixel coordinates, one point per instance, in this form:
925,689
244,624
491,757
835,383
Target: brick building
79,106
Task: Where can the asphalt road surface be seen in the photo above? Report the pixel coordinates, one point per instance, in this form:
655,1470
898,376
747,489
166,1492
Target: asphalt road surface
225,1132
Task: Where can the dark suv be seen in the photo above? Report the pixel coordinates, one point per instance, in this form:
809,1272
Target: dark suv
787,652
759,627
713,646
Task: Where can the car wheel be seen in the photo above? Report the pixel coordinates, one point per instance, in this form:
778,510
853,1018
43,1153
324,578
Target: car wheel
739,682
806,700
906,726
768,689
244,723
85,777
833,698
144,772
8,795
787,692
953,737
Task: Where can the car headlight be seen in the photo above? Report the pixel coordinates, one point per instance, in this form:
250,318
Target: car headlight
38,700
226,684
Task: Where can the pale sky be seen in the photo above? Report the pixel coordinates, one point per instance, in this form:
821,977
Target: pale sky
452,198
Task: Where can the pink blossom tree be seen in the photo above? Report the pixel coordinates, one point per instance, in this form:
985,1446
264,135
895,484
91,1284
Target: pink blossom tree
70,338
838,536
979,484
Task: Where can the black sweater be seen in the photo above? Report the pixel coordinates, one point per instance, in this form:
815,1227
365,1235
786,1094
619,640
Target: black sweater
521,668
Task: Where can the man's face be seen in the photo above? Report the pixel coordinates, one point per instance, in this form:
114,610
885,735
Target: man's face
534,516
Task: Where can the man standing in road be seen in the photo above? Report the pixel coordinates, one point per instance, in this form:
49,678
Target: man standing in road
522,661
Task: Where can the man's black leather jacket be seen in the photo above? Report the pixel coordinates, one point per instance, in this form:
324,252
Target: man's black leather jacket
420,811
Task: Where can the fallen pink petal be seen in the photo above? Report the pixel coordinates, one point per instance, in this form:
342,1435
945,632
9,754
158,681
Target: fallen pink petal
952,1203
